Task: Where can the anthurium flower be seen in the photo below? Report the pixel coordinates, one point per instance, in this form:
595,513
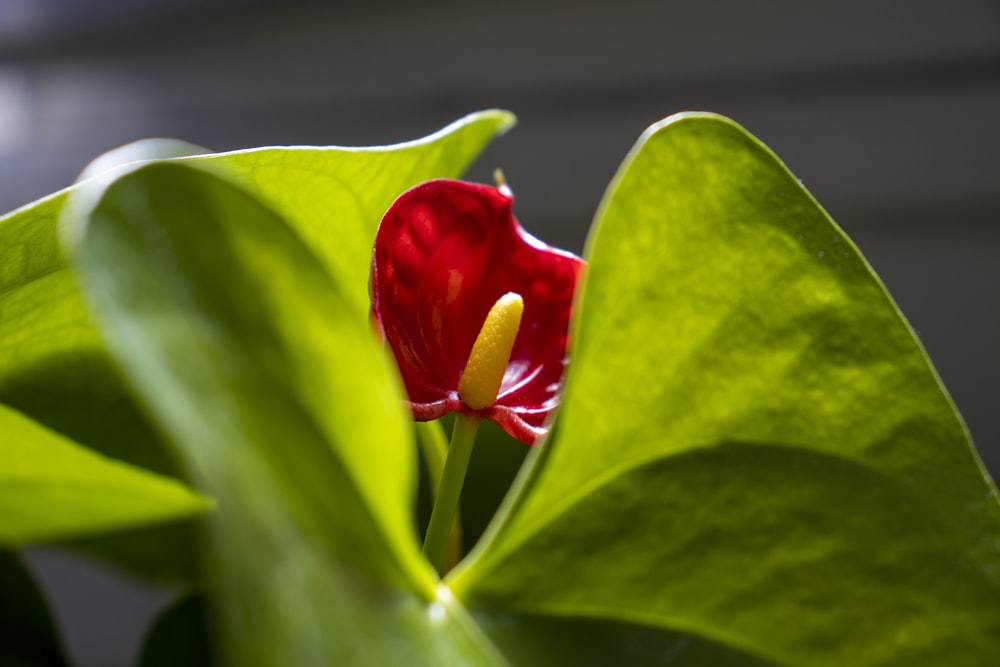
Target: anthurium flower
475,309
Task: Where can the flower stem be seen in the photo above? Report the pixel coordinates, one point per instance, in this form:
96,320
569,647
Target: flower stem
463,436
434,449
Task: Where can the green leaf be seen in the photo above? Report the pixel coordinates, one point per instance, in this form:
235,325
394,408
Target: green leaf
272,386
334,197
541,640
753,447
54,368
52,488
180,636
27,634
164,552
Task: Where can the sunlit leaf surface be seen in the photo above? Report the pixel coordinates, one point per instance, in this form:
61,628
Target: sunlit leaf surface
754,465
280,400
54,368
51,487
753,447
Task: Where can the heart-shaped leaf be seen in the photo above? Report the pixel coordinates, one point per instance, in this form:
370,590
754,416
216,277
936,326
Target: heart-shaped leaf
271,384
753,447
54,368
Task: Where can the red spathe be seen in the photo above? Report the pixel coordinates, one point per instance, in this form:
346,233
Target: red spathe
444,253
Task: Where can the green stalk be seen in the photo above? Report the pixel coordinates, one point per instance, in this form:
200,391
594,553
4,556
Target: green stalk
463,436
434,449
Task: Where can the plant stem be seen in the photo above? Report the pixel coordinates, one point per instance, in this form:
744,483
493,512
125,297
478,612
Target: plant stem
463,436
434,449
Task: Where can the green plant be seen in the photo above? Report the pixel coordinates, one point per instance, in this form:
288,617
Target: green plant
754,462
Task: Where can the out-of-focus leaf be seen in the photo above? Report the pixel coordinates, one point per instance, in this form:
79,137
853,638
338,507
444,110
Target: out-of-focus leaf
52,488
180,636
54,368
276,393
753,447
162,552
27,634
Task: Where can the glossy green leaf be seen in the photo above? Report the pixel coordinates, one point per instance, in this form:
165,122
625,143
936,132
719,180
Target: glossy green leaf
56,371
54,367
51,487
277,395
334,197
27,633
753,447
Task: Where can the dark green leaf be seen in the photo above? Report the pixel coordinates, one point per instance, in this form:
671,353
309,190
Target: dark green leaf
180,636
27,634
553,639
164,552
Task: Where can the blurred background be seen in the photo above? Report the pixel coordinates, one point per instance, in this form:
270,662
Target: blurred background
887,111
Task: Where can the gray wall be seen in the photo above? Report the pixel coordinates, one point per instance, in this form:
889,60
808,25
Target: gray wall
886,110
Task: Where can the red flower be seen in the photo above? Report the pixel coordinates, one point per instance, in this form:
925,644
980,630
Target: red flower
445,253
